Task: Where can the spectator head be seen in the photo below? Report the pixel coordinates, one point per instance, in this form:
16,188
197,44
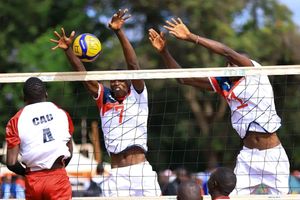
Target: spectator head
182,174
221,182
189,190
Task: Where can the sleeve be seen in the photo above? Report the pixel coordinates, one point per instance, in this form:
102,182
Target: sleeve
12,133
71,125
99,99
215,85
143,96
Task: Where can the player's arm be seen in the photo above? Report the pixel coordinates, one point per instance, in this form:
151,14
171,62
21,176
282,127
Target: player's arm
116,24
12,161
158,41
70,146
178,29
64,43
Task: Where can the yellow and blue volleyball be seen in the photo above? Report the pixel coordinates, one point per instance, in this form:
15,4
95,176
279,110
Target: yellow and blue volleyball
87,47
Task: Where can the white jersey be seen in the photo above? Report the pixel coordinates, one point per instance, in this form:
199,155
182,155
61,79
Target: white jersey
123,124
42,130
251,101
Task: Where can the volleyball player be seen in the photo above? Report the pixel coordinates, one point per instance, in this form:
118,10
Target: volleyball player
123,111
41,133
262,160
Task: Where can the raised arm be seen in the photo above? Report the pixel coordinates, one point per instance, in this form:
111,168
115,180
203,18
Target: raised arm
116,24
180,31
64,42
158,41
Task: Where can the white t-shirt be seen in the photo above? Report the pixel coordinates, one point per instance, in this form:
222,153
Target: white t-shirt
123,124
42,130
251,101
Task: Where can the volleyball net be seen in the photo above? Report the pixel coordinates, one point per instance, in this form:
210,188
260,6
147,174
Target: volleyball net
187,127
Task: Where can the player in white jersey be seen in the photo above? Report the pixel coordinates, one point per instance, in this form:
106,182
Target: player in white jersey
41,133
253,115
123,111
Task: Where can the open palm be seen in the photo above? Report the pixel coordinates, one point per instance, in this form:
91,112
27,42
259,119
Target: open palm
157,40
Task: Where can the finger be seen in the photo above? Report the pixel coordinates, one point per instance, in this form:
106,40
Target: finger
72,35
168,28
53,48
63,31
175,22
151,39
57,34
162,35
55,41
119,12
152,35
170,23
180,21
124,12
173,33
127,17
153,32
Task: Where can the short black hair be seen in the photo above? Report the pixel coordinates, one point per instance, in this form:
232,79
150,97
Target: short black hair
189,190
223,179
34,90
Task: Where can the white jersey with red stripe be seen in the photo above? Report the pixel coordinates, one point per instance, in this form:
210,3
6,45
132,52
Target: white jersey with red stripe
251,101
42,130
123,124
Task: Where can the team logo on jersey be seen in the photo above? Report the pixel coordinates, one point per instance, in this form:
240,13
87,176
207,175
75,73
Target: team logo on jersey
47,135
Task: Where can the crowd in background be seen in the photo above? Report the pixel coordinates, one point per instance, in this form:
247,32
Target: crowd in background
13,186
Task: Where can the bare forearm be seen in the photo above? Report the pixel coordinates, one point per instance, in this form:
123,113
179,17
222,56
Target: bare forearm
212,45
74,60
129,53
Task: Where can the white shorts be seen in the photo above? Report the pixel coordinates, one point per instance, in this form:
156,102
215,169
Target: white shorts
269,167
134,180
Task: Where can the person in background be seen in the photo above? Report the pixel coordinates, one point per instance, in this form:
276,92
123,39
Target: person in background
189,190
221,183
182,175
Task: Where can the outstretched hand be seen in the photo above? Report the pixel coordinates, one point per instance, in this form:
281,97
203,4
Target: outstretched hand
63,41
157,40
118,19
178,29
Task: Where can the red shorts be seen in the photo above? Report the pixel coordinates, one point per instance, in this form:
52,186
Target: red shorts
48,185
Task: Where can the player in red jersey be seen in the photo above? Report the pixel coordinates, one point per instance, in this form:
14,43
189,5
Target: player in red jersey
41,133
253,113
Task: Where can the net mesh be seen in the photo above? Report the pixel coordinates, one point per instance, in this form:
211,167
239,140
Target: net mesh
187,127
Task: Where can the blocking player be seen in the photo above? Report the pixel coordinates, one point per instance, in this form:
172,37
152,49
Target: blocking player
124,113
41,133
262,160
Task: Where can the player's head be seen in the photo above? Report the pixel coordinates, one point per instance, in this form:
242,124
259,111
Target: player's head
34,90
221,182
189,190
120,88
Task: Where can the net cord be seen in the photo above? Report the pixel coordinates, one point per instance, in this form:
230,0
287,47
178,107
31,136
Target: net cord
152,73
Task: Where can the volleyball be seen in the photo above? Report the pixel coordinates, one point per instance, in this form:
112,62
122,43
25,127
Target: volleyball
87,47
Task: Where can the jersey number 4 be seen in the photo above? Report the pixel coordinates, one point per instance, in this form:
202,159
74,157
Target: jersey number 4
47,135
